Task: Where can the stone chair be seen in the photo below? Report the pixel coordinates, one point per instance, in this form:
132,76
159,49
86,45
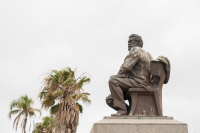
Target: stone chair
148,101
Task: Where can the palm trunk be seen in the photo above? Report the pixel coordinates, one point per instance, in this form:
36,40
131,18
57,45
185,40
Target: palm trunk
69,130
24,128
67,119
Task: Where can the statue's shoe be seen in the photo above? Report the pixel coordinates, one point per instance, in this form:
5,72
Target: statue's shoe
116,114
120,113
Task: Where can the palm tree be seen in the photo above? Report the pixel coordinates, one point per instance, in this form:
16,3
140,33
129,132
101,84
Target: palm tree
22,107
61,92
47,125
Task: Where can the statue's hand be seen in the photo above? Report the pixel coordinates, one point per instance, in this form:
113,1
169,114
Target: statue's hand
153,80
148,88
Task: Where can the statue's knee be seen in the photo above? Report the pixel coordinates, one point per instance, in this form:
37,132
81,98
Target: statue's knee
109,81
106,99
109,101
112,81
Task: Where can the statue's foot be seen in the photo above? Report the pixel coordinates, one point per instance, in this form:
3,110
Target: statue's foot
120,113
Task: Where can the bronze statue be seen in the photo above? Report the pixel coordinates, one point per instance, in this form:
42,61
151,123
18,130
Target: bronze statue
140,81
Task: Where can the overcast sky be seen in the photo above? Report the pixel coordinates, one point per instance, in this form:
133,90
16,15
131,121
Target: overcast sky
91,35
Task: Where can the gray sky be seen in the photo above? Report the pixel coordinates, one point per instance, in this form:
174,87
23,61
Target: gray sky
91,35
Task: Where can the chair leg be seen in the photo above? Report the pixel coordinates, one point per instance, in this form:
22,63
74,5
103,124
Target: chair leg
132,101
158,104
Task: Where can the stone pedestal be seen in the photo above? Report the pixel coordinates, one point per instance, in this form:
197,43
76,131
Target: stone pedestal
139,124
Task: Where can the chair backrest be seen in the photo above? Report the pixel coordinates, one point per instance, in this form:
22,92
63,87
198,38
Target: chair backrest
158,69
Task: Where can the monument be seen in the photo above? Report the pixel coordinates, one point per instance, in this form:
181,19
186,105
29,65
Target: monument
140,80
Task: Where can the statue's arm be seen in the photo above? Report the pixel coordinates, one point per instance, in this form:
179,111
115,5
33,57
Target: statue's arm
131,59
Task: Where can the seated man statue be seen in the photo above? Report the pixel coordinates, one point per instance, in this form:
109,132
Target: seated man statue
134,72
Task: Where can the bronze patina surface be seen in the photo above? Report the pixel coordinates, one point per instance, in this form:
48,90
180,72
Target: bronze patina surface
139,80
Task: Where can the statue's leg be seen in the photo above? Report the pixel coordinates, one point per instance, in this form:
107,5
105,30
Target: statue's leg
109,101
117,86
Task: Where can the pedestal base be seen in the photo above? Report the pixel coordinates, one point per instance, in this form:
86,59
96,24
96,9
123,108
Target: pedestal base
139,124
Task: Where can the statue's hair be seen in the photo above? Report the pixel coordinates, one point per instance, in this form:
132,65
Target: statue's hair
138,39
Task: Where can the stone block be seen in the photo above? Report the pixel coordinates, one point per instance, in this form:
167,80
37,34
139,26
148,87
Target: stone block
138,124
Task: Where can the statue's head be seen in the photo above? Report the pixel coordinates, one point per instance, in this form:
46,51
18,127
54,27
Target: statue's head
134,41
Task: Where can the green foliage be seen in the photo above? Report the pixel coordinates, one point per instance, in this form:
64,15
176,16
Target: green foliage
47,125
80,107
54,109
84,98
42,94
63,85
38,128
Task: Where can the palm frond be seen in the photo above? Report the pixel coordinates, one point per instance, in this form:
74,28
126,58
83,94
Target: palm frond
48,101
54,109
57,93
80,107
13,112
86,93
18,117
39,111
70,98
82,81
31,113
42,94
85,99
13,104
24,102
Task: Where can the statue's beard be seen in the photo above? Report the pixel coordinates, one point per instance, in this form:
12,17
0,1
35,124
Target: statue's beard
133,45
129,48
